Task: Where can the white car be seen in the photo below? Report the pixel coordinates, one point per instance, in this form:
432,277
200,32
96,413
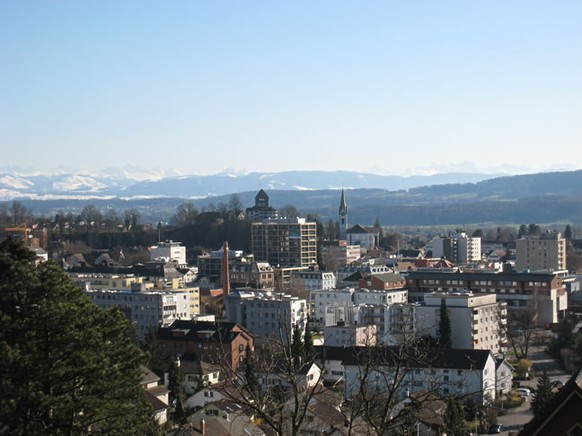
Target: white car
524,392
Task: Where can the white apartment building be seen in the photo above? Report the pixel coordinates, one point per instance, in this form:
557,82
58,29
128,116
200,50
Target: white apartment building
475,319
386,311
267,314
341,253
337,302
342,335
544,252
107,281
169,250
450,371
376,296
459,248
329,306
312,279
145,309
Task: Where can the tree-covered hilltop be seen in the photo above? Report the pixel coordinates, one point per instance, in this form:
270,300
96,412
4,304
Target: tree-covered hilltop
67,367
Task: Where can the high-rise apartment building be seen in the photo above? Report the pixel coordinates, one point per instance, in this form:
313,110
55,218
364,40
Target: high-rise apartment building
457,247
285,242
543,252
267,314
475,319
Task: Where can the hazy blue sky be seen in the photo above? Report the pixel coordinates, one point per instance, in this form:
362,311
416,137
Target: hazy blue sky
392,87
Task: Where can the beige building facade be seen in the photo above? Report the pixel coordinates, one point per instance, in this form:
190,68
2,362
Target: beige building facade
543,252
475,319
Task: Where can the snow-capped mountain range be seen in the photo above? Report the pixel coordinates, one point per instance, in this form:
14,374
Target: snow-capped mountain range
131,182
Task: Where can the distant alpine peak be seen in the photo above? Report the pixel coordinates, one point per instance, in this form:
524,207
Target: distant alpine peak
135,182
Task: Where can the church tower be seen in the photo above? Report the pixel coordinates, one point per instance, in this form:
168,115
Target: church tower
343,216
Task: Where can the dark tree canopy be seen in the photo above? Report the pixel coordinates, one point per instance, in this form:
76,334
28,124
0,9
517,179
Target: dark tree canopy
543,395
67,367
444,325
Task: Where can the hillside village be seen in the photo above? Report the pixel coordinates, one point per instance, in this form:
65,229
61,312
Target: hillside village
352,333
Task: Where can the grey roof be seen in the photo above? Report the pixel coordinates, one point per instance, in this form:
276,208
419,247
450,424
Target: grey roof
358,228
418,275
388,277
212,332
148,376
448,358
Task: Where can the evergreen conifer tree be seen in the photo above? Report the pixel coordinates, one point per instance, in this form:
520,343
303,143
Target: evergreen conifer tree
297,347
67,367
543,394
308,343
568,232
444,325
454,417
250,374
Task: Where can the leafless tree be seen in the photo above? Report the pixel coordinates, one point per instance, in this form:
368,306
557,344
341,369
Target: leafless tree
521,328
377,394
131,219
18,212
186,214
235,205
274,382
92,217
290,211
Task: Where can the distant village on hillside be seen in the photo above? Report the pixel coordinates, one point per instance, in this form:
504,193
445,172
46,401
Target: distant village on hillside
275,323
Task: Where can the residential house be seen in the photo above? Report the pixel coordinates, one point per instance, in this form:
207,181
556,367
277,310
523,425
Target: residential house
383,281
224,418
254,275
306,377
156,395
212,342
312,279
503,376
197,374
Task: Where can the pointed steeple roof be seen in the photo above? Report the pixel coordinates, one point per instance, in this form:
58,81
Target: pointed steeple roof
343,207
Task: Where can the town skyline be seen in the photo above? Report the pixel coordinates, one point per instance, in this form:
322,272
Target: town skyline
202,88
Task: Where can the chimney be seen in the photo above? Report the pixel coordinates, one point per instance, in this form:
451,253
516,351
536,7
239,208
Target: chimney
203,427
225,271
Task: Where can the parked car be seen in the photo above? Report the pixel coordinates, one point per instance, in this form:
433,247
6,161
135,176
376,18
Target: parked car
524,392
496,428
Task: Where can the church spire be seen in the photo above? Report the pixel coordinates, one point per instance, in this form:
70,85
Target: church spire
343,207
343,216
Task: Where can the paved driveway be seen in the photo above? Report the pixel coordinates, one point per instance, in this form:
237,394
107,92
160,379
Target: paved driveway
521,415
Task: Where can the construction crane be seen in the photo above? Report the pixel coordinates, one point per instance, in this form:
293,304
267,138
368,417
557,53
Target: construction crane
19,232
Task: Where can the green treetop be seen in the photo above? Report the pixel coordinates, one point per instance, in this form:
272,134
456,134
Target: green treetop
444,325
543,394
67,367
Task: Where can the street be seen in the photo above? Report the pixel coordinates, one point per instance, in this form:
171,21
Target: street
515,418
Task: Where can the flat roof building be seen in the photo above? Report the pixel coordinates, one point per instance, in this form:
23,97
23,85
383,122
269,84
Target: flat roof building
285,242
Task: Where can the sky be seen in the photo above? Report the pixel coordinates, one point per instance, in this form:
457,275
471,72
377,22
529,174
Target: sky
202,87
